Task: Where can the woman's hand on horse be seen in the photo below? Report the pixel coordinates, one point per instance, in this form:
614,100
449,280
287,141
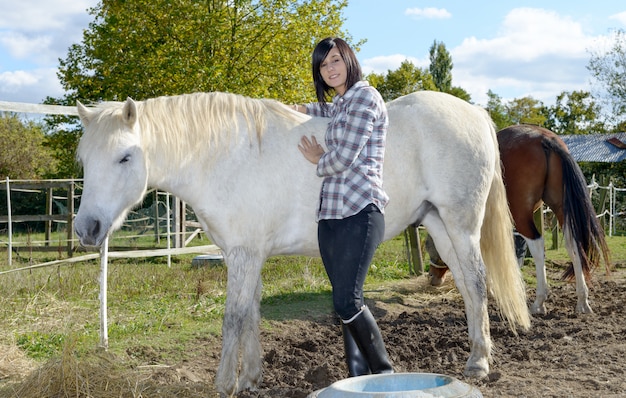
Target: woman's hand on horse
311,150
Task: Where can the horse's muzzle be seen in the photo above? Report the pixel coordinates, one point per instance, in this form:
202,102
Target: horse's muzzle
89,232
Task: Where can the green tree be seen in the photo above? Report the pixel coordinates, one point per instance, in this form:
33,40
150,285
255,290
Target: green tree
608,70
440,69
525,110
460,93
517,111
574,112
23,154
148,48
406,79
497,110
441,66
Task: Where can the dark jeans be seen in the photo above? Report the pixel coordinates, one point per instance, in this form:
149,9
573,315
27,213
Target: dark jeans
347,247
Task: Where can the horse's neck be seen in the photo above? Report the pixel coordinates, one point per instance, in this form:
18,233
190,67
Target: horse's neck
168,175
168,167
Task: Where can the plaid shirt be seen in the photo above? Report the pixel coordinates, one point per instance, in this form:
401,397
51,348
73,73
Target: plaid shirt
353,165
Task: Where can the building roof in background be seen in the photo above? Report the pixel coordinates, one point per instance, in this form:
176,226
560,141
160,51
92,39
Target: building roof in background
597,147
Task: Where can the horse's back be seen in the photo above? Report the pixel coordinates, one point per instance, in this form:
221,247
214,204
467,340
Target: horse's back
442,146
532,173
440,128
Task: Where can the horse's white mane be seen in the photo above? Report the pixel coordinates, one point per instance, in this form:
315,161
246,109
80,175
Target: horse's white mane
183,121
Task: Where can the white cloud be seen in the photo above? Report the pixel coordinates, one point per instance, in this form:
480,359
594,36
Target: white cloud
527,34
40,32
535,51
21,46
27,86
41,15
34,34
620,17
428,13
383,64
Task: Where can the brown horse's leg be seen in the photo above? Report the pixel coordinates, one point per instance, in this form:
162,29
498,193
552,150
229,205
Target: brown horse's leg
526,164
537,250
437,268
582,292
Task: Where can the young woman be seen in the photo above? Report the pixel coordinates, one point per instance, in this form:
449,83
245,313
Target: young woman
350,216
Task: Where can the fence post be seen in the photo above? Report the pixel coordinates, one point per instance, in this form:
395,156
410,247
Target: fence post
157,237
48,232
169,228
70,218
9,224
178,214
104,327
611,208
416,264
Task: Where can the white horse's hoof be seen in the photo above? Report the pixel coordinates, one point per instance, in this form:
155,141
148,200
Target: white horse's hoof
475,372
250,384
584,308
538,309
226,386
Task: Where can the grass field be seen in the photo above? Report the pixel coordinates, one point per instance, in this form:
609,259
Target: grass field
150,303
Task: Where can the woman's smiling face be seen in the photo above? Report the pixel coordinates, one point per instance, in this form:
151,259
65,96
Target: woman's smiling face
334,71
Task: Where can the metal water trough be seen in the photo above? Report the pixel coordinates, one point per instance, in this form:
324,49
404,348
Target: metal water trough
399,385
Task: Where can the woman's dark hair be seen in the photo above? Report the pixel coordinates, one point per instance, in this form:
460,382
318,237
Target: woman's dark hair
323,90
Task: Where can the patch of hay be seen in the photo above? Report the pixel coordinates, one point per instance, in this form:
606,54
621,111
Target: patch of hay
98,375
14,365
69,376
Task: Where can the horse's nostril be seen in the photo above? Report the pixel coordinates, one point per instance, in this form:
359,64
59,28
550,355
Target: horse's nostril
95,230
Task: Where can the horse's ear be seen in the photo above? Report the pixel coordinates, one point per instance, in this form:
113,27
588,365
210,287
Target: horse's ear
83,113
129,112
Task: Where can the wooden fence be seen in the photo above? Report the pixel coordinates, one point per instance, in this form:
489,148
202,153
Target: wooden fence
47,186
62,198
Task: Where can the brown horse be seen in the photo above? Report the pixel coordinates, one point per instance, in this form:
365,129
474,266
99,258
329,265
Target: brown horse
539,168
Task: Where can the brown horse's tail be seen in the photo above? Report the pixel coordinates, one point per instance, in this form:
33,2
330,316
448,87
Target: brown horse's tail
579,216
504,277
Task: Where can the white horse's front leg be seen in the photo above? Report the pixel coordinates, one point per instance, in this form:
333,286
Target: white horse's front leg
538,251
240,329
582,306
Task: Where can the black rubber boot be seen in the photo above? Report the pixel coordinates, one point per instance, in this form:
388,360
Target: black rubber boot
357,364
520,248
367,336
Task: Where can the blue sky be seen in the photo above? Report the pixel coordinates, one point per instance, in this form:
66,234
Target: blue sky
514,48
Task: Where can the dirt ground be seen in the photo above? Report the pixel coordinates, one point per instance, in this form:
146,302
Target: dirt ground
562,355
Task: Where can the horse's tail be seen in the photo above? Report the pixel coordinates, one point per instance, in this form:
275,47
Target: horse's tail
504,277
579,216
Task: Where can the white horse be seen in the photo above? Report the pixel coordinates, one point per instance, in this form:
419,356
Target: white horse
235,161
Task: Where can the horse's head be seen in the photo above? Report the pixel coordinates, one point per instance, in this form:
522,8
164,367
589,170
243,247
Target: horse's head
115,169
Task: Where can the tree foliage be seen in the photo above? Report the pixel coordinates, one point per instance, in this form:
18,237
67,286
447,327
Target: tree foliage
574,113
148,48
608,69
406,79
525,110
497,111
440,66
440,69
517,111
23,154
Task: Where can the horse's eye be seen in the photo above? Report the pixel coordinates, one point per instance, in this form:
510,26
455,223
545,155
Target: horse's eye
125,159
